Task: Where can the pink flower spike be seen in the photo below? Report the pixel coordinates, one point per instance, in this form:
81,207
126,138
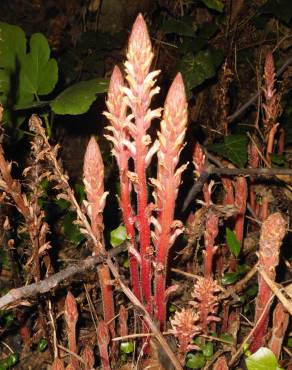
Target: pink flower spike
93,172
140,53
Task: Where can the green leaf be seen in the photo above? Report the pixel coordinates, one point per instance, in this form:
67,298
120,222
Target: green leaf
182,27
127,347
77,98
118,236
71,230
279,160
208,349
32,104
199,67
234,149
232,242
289,342
252,291
12,46
12,359
213,4
38,73
227,337
42,345
195,361
242,269
262,359
229,278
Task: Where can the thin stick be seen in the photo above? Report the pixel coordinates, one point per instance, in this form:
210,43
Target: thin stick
211,170
240,284
43,286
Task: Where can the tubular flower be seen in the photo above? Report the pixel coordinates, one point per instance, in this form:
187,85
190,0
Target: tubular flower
205,300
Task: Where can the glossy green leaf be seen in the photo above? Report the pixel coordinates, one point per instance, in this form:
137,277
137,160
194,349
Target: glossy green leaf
279,160
242,269
196,68
12,359
214,4
42,345
289,342
234,149
12,46
71,230
252,291
262,359
229,278
195,361
127,347
232,242
32,104
78,98
38,73
208,349
118,236
227,337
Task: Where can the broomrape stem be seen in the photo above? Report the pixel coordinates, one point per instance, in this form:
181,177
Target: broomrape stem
171,138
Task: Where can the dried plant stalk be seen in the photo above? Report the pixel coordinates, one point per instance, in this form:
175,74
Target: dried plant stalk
272,234
171,137
103,338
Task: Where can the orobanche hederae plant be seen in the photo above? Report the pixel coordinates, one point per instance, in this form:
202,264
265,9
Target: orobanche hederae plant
147,205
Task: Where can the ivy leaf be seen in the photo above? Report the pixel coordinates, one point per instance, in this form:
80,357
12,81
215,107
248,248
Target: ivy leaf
195,361
12,46
42,345
77,98
118,236
232,242
229,278
182,27
234,149
127,347
199,67
208,349
213,4
262,359
38,72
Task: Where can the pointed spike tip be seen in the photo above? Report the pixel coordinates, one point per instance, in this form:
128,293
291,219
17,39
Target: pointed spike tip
116,81
176,94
